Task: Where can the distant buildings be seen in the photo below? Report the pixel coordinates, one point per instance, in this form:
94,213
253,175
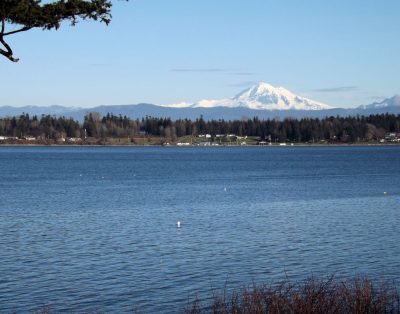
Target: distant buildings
205,135
392,137
4,138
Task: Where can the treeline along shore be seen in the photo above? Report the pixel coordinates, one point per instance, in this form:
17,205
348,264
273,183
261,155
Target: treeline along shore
121,130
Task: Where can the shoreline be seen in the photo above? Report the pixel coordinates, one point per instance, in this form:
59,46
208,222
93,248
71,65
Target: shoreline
209,146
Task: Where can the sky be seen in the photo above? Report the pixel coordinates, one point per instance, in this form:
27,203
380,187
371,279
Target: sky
344,53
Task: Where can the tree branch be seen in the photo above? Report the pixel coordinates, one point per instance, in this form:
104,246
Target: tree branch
3,25
23,29
8,53
29,14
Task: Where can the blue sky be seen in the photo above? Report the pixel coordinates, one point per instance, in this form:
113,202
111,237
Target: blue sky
343,53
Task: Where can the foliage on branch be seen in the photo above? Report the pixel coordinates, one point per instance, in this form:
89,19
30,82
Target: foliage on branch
28,14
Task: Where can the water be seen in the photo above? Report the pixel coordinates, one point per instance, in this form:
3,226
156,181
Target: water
94,229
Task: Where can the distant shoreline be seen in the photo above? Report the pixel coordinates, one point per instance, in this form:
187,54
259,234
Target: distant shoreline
202,146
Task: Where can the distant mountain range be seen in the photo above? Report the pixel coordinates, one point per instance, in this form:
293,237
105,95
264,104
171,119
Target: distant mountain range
262,96
262,100
386,103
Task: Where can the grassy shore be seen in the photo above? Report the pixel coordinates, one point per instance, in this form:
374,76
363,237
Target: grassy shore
312,296
356,296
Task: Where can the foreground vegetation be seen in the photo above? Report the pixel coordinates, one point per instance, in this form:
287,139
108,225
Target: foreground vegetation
112,129
357,296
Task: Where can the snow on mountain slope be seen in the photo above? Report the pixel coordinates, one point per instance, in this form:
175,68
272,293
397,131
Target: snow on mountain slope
388,102
266,96
263,96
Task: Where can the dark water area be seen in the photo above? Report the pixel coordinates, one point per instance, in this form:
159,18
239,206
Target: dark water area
94,229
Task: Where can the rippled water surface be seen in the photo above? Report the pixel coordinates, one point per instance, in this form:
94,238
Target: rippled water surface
93,229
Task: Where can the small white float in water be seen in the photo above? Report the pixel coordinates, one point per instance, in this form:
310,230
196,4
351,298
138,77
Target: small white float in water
385,193
178,224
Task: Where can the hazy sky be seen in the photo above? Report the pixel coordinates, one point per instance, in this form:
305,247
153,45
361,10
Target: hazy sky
343,52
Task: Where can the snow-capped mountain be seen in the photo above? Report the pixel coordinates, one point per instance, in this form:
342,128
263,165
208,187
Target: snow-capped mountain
262,96
388,102
262,100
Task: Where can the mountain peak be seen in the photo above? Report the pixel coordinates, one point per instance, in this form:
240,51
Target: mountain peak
393,101
396,99
262,96
262,87
267,97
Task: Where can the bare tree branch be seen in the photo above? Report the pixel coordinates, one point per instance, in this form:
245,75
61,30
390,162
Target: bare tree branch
8,53
23,29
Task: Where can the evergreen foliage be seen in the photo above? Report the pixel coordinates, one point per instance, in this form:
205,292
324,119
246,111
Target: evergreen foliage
306,130
28,14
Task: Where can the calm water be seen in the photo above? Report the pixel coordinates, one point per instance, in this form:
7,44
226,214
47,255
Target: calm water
87,229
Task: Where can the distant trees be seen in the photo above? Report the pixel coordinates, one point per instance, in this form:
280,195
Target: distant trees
46,127
330,129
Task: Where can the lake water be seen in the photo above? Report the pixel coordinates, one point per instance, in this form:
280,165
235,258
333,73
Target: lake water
94,229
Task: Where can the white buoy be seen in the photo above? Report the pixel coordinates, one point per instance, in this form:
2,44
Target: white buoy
178,224
385,193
